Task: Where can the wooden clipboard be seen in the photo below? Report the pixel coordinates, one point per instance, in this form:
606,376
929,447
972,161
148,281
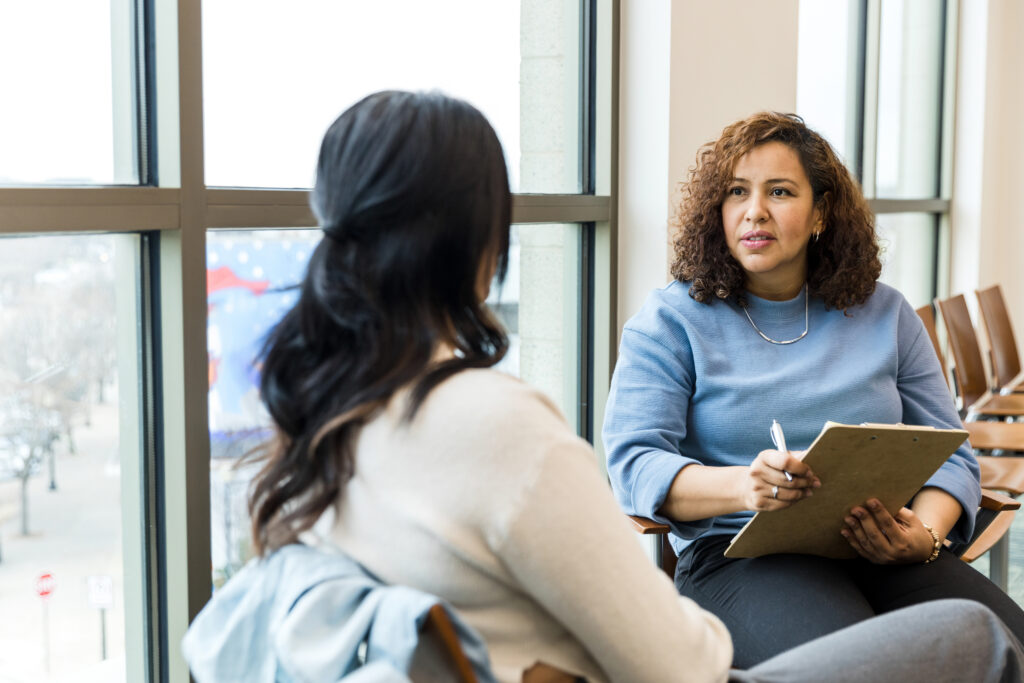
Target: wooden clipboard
854,463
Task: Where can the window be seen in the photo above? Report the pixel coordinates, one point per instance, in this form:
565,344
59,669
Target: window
878,89
909,84
70,505
69,91
152,113
250,283
266,109
250,279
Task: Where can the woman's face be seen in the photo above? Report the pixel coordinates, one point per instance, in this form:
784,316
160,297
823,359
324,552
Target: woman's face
769,216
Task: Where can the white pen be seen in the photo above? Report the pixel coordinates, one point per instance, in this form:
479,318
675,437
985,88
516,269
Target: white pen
779,439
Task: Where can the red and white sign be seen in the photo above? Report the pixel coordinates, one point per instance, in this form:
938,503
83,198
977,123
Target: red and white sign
45,585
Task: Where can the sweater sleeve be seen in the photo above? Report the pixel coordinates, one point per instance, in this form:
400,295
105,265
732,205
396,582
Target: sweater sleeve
927,401
645,423
571,548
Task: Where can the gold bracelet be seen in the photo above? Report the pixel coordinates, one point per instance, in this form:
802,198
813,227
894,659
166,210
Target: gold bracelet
936,544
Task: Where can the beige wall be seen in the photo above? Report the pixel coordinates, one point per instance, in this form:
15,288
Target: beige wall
988,178
688,68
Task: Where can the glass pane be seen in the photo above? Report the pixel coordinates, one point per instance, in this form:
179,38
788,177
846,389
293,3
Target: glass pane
249,279
908,254
68,117
70,567
539,306
829,65
248,273
267,109
909,99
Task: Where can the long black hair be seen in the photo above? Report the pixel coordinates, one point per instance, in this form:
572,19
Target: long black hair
412,196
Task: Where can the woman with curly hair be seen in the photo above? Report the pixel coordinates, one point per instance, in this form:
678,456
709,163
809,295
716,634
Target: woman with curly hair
776,313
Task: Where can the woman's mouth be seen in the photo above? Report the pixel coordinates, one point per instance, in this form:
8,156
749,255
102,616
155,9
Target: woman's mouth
756,239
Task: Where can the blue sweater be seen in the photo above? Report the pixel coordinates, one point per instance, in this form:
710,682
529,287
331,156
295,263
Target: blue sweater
694,383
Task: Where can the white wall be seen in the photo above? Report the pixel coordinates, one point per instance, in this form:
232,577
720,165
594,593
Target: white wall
688,68
645,35
987,221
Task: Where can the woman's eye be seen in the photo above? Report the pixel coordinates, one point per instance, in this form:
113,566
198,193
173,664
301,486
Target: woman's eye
735,191
779,192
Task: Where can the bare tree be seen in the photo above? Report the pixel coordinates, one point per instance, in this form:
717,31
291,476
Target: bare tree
30,430
58,352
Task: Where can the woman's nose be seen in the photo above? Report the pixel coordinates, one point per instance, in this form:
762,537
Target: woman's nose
756,211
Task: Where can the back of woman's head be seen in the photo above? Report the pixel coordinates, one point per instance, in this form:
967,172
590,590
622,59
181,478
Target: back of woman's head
412,195
843,264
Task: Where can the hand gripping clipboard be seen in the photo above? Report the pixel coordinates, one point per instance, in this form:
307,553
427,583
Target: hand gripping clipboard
854,463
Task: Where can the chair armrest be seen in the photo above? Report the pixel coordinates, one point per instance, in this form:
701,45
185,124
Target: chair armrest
642,525
993,500
992,534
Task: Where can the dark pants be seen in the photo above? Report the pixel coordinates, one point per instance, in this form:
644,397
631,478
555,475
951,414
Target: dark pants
773,603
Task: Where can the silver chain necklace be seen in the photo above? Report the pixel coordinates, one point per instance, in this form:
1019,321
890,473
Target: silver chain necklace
787,341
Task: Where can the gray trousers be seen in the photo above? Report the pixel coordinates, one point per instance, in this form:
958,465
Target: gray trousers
943,640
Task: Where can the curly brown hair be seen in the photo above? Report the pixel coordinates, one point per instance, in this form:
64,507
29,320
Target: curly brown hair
842,264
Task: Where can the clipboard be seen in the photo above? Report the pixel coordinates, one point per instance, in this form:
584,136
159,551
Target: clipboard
854,463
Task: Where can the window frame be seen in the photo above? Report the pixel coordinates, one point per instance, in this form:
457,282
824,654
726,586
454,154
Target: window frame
868,79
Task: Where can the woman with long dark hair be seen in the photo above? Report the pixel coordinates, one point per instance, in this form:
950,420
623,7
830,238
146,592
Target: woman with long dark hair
400,447
442,474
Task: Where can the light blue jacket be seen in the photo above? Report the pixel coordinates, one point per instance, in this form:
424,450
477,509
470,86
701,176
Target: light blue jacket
310,615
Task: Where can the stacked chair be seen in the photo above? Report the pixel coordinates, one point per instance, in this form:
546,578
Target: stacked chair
991,410
1006,372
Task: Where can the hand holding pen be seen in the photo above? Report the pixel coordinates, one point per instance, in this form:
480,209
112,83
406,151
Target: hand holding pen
781,477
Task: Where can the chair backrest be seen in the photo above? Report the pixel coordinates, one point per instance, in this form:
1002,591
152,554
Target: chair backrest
1005,359
927,315
969,368
440,628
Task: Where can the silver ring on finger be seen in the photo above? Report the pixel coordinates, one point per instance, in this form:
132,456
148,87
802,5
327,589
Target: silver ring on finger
775,492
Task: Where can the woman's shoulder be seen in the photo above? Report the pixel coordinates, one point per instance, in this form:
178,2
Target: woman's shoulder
886,300
887,294
670,316
487,391
498,419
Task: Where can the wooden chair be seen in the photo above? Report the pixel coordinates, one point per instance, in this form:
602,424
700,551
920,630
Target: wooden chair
1006,370
439,628
927,316
995,515
968,367
1006,437
997,472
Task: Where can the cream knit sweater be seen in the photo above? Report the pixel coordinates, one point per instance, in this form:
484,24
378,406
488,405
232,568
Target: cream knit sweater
488,500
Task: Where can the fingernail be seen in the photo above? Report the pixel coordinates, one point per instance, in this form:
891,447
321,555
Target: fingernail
873,504
858,513
845,533
849,521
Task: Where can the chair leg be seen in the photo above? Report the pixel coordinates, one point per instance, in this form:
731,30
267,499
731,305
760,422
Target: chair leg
999,562
656,553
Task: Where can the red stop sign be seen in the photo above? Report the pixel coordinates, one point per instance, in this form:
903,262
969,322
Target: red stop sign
45,584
